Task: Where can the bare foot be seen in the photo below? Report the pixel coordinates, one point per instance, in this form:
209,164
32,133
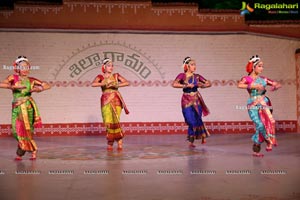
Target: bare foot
120,148
269,147
33,156
258,154
18,158
109,148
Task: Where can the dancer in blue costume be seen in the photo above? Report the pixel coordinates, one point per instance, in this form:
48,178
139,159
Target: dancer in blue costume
193,106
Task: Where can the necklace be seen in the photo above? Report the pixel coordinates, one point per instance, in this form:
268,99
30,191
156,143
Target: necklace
107,76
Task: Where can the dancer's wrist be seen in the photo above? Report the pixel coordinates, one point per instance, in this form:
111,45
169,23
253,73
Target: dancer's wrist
249,86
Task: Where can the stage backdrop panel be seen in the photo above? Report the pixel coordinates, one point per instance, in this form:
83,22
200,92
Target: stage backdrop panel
150,61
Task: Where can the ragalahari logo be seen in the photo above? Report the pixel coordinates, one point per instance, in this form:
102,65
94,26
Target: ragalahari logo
246,9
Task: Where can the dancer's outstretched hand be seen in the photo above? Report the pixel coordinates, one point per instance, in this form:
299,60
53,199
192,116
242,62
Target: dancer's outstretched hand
36,89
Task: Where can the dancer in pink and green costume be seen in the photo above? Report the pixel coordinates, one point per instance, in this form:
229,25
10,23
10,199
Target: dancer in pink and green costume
259,105
25,114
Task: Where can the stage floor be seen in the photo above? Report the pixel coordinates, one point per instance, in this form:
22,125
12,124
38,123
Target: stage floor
160,167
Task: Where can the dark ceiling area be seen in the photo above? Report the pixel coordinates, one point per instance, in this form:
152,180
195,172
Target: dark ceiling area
209,5
9,4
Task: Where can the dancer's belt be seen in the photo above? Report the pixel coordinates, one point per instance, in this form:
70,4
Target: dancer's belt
110,91
18,101
257,97
191,93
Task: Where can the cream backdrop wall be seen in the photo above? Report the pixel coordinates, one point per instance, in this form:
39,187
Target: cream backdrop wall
70,61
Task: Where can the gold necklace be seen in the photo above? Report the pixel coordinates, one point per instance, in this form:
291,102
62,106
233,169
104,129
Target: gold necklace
107,76
191,75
